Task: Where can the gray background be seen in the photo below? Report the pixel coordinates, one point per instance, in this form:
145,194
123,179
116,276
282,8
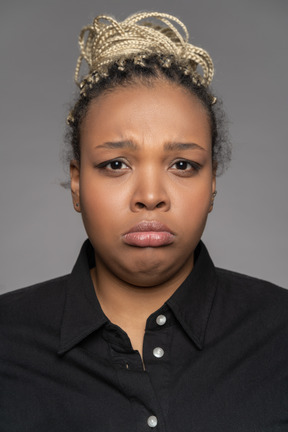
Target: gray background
40,232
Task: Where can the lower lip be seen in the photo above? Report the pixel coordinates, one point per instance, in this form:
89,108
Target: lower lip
149,239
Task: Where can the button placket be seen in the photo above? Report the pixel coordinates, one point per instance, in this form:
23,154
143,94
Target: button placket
157,340
158,352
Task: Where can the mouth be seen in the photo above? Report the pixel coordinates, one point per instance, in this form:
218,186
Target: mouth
149,234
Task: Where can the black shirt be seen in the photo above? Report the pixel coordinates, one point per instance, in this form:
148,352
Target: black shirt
216,358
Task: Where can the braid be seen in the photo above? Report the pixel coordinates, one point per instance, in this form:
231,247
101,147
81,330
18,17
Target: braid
107,41
124,53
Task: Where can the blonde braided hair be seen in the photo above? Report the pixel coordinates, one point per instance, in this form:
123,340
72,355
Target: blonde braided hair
107,42
120,53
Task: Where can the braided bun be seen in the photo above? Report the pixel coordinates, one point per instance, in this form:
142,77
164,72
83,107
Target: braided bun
145,47
138,37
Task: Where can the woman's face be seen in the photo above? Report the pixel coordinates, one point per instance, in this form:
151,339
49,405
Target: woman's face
145,182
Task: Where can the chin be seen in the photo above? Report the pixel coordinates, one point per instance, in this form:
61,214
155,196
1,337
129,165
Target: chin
146,279
152,272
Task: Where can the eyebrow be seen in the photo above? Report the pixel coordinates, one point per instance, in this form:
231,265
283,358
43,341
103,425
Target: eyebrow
182,146
171,146
118,144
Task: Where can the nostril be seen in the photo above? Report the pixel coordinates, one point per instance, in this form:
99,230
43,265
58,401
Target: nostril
140,205
150,204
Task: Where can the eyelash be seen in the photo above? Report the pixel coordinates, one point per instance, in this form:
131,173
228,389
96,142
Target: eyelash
104,165
194,166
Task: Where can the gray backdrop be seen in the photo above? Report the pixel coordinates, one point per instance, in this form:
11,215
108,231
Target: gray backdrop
40,232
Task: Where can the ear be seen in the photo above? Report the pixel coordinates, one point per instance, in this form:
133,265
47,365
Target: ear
75,184
213,191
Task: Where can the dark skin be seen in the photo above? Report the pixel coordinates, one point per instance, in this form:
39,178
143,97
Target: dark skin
144,160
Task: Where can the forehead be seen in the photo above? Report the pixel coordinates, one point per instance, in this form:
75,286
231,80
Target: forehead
139,112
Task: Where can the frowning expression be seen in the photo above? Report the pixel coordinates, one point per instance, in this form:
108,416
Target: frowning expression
145,181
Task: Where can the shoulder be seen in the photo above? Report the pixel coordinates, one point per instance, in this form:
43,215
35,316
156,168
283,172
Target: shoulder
45,299
253,296
30,324
233,280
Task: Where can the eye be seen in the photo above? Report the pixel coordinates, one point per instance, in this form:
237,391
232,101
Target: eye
182,165
185,167
112,166
116,165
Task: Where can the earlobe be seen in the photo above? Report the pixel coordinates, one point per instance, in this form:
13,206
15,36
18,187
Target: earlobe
75,184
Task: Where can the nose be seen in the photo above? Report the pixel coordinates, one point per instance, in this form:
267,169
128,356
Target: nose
150,193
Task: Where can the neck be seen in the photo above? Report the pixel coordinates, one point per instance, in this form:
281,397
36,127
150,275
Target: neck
129,306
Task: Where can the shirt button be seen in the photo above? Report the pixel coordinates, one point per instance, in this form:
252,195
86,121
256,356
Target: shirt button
152,421
161,320
158,352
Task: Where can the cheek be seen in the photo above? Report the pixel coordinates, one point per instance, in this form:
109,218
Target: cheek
196,209
202,197
100,204
195,212
196,197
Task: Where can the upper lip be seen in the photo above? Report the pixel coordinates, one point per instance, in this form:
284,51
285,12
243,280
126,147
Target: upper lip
146,226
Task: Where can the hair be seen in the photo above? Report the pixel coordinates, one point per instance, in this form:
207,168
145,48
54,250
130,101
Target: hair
121,54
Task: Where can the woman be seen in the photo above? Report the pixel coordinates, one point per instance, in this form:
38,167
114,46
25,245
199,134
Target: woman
145,333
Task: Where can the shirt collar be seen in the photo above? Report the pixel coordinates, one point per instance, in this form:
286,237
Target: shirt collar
193,300
82,311
191,303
